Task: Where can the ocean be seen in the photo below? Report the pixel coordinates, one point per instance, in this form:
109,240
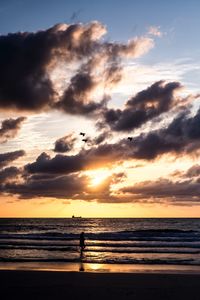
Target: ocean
109,241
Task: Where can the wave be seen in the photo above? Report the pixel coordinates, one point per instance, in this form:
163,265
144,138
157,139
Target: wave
159,231
150,235
29,228
154,243
108,261
103,250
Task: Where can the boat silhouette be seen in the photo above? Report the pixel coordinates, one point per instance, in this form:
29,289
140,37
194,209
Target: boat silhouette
78,217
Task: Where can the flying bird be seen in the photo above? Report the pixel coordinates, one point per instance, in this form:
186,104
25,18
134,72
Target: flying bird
130,138
85,140
82,133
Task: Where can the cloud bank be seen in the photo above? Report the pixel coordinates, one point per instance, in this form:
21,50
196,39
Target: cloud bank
63,68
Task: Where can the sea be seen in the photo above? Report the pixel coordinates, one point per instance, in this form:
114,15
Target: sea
108,240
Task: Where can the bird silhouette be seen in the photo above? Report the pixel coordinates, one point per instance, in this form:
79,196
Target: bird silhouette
84,140
130,138
82,133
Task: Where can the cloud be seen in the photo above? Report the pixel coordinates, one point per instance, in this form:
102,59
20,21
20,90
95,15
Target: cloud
75,99
8,173
60,164
181,136
67,186
65,143
9,128
151,145
90,66
194,171
77,186
158,98
6,158
29,58
102,137
71,187
95,157
155,31
62,177
163,190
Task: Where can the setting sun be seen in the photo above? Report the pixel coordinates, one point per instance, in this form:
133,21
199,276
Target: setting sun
97,177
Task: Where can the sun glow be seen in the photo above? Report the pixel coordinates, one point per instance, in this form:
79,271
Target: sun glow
97,177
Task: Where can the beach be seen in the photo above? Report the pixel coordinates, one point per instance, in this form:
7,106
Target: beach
123,259
89,285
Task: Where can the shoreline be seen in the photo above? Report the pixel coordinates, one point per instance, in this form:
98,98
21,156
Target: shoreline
80,267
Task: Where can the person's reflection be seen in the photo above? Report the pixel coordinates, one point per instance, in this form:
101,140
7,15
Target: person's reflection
81,266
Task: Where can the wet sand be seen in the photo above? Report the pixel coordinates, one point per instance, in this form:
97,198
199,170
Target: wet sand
88,285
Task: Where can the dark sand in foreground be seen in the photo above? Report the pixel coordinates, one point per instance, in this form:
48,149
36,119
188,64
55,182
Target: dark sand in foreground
75,285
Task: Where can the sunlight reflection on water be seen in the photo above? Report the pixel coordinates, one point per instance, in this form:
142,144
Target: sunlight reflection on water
90,267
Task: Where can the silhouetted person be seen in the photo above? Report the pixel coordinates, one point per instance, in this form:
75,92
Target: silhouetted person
82,241
82,246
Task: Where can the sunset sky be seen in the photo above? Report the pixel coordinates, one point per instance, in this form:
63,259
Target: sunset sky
99,108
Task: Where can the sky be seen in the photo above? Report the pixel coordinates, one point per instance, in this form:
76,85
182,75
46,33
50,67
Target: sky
99,108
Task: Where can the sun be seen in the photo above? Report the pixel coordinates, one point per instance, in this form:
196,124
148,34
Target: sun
97,177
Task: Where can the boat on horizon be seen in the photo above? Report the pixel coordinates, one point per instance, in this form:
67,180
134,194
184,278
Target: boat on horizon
78,217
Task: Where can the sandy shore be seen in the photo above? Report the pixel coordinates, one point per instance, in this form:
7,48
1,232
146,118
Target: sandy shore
87,285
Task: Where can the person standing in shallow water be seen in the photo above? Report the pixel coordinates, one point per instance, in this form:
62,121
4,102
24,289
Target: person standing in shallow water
82,246
82,242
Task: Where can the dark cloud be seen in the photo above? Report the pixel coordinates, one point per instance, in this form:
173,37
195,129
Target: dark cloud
147,104
95,157
102,137
28,59
67,186
99,139
181,136
9,128
6,158
76,98
159,95
60,164
163,190
24,82
8,173
65,143
185,126
154,144
194,171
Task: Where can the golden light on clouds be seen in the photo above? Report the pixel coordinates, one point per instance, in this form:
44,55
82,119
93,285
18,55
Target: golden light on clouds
98,176
102,133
